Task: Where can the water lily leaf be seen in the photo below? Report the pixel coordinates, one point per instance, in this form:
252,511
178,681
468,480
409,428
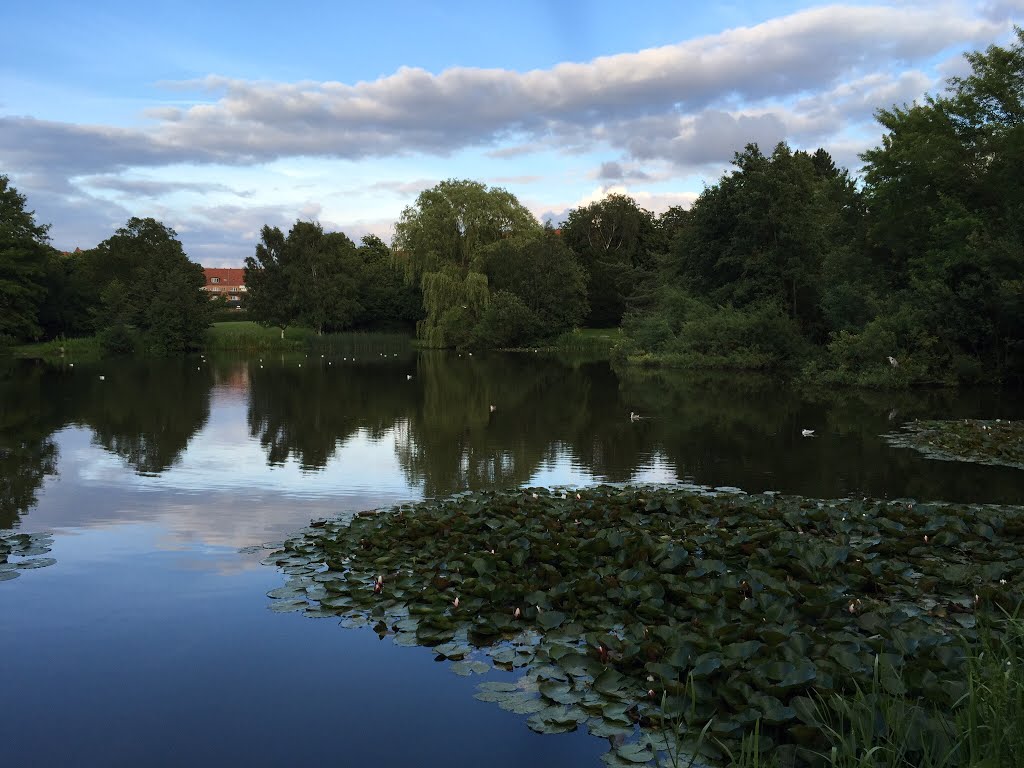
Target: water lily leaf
466,668
550,619
705,664
634,753
287,606
484,565
559,692
8,575
742,650
523,703
36,562
453,651
610,682
605,729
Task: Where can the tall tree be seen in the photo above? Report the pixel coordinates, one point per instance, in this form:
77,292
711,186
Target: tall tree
23,255
268,298
309,277
616,240
440,238
765,233
946,195
544,274
389,301
153,288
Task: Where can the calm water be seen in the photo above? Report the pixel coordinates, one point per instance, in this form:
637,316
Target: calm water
150,642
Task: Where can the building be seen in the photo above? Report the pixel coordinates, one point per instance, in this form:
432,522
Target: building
229,283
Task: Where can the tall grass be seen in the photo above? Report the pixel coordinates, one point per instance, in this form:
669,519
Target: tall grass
87,347
588,340
872,728
246,336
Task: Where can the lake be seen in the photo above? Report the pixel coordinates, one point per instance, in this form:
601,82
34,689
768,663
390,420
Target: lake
149,640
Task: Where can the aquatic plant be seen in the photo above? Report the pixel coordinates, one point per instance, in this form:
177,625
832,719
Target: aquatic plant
675,620
20,552
998,442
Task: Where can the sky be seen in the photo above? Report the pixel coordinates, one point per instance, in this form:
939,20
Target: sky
218,118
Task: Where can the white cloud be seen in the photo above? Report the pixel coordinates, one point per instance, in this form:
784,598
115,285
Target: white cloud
814,77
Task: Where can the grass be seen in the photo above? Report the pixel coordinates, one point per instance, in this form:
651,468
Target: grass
588,340
247,336
86,347
876,729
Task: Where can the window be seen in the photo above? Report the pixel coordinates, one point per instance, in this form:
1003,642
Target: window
214,279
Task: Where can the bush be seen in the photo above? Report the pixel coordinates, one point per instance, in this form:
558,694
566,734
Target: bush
507,322
862,358
118,339
693,334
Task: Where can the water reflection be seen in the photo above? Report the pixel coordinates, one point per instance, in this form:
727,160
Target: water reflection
432,423
147,414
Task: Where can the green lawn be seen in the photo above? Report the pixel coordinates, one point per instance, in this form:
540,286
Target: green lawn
247,335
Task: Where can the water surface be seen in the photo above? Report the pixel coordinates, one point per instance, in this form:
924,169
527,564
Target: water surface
150,641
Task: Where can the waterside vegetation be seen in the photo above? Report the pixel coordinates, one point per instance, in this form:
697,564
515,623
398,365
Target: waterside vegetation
698,622
906,276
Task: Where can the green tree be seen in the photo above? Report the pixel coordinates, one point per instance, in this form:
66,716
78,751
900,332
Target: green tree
946,197
544,274
323,277
309,277
440,239
616,240
388,300
770,231
152,287
23,255
268,297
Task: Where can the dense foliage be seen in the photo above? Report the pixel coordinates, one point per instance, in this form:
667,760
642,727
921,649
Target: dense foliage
913,278
23,256
673,608
908,276
321,280
442,239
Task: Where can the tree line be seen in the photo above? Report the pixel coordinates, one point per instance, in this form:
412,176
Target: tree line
910,274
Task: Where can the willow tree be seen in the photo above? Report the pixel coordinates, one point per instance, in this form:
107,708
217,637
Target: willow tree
440,238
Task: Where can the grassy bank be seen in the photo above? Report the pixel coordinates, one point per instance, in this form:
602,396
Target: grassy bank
84,348
247,336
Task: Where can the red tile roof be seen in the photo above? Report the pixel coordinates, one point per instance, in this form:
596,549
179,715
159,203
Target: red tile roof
227,278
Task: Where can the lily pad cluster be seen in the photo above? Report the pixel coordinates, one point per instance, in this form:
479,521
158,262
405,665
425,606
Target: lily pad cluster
998,442
20,552
643,614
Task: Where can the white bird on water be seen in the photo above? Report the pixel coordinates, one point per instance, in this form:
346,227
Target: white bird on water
893,361
494,408
807,432
634,416
408,377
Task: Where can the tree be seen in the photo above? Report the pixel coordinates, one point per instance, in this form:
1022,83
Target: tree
544,274
388,300
23,255
323,276
441,237
150,287
309,277
946,197
616,240
267,296
766,231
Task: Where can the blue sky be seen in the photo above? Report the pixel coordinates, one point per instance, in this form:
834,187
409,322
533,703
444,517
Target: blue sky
217,118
